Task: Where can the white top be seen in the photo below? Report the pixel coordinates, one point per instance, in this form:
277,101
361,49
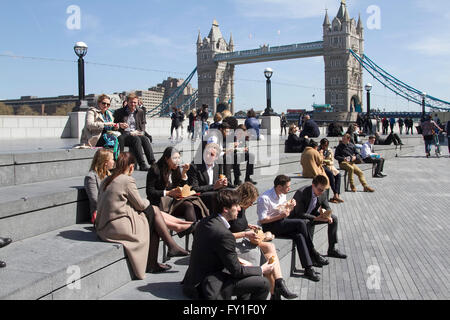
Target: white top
268,203
367,150
210,171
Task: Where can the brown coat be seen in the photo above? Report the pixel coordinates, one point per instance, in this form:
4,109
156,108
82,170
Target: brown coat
311,162
120,219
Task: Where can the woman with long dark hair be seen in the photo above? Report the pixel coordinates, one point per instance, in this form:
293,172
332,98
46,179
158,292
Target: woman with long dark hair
333,174
124,217
164,180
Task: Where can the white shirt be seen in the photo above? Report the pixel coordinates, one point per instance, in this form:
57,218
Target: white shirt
367,150
210,171
225,222
268,203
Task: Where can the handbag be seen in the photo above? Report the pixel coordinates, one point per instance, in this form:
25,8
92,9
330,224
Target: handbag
111,142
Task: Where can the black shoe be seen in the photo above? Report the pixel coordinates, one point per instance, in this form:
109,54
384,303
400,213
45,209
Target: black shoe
2,264
378,175
382,175
281,289
237,182
336,254
311,274
250,180
4,242
189,230
144,167
160,268
320,261
275,296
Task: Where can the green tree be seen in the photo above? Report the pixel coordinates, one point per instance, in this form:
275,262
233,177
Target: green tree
26,110
6,110
64,109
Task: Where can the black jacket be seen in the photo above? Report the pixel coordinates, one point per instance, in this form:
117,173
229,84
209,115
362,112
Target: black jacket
121,115
198,177
303,199
295,144
346,150
155,185
310,129
213,250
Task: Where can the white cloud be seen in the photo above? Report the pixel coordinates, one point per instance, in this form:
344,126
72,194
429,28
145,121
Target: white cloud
439,7
432,46
288,9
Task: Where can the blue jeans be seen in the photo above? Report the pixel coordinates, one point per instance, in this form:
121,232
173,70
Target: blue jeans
428,143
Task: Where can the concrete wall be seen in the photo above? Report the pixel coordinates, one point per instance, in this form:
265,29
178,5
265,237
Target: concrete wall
34,127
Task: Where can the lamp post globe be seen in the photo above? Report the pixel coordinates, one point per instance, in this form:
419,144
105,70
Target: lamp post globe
268,72
368,87
81,49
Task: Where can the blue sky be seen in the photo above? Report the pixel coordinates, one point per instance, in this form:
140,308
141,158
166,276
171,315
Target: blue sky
413,44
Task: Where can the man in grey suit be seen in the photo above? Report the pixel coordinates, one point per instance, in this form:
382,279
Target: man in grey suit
213,250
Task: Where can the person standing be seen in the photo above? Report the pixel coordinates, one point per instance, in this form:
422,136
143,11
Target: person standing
447,129
400,125
175,124
310,128
214,251
392,124
428,132
283,123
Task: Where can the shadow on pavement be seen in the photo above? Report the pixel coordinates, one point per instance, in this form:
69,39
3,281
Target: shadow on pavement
164,290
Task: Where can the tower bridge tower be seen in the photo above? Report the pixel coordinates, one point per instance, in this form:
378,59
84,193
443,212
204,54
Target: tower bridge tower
343,73
215,79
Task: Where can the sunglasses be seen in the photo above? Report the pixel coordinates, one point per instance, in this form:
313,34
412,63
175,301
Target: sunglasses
106,104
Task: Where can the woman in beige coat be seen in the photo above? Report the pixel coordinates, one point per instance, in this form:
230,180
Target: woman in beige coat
124,217
98,120
311,162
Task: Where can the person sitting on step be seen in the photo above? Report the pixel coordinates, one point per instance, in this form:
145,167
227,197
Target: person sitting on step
311,201
348,157
369,156
214,271
273,211
249,246
124,217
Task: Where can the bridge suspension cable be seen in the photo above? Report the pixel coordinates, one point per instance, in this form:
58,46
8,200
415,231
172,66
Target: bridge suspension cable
397,86
163,107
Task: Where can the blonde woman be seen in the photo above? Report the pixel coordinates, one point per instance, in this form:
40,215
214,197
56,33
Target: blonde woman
241,229
101,166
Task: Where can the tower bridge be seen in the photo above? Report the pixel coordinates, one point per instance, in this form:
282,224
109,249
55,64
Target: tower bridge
216,61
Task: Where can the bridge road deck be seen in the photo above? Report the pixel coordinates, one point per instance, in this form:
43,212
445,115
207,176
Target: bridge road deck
402,230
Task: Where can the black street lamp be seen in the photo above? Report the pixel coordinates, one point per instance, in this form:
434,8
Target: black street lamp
80,49
368,87
268,72
424,95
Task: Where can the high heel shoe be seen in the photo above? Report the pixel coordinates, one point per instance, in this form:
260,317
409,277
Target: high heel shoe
189,230
282,290
159,268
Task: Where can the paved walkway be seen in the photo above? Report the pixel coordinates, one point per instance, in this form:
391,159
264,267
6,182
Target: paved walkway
397,240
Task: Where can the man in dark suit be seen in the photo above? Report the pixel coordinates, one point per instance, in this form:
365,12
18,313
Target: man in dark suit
310,128
205,177
133,133
213,250
309,200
